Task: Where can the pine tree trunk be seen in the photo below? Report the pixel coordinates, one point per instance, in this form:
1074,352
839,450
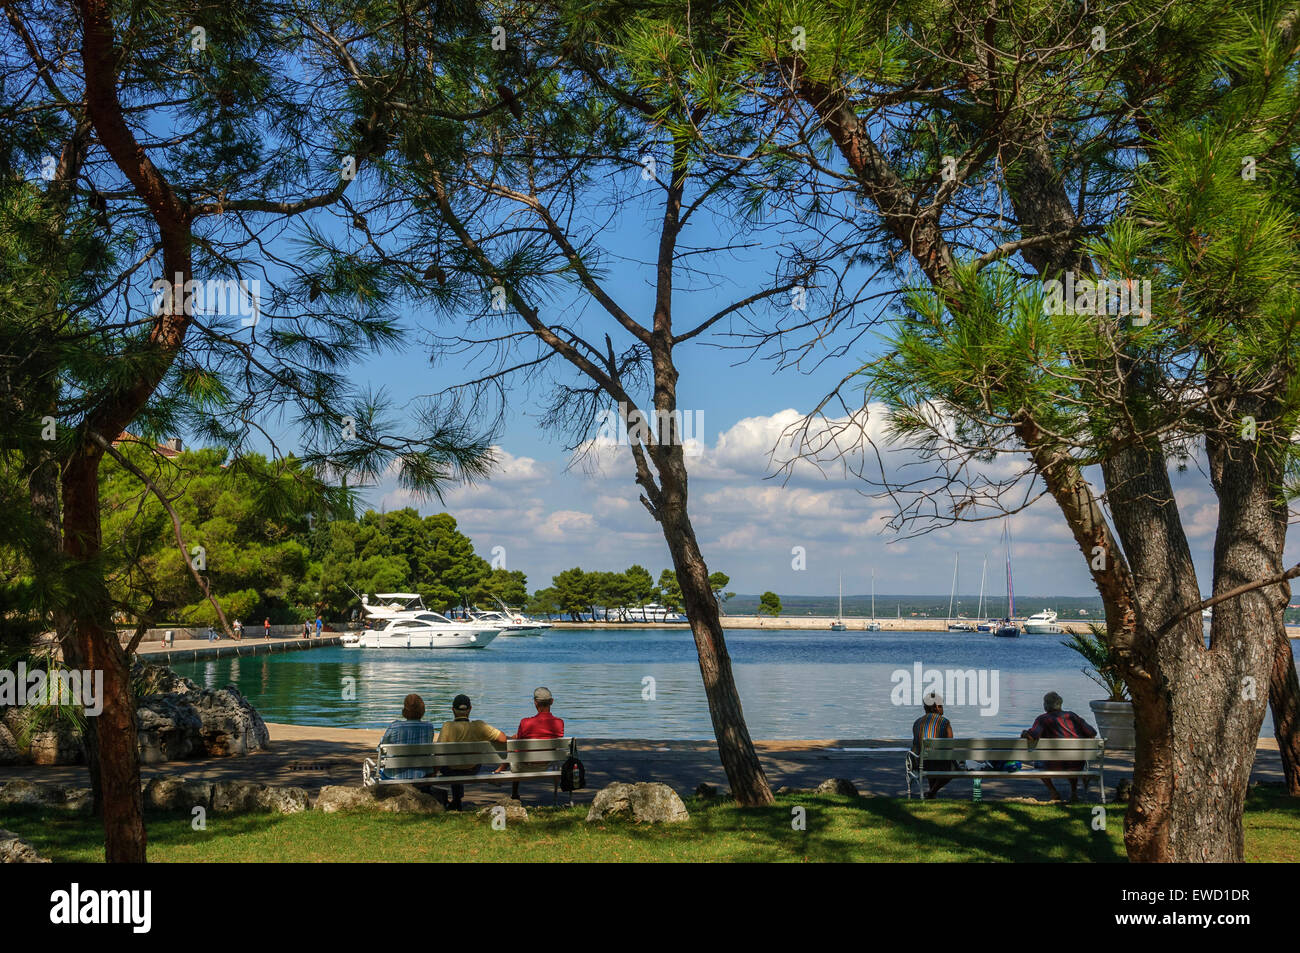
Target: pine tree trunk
745,774
1284,698
98,649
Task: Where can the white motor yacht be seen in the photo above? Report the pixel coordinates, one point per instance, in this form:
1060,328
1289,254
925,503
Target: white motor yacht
423,630
1042,623
402,621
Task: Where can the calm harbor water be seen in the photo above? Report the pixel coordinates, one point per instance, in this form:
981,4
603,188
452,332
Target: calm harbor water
794,684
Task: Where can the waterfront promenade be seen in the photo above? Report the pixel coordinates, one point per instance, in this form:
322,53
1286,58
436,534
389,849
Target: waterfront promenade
194,650
311,757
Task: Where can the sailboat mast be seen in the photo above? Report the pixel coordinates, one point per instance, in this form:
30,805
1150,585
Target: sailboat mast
873,595
1011,595
953,594
980,613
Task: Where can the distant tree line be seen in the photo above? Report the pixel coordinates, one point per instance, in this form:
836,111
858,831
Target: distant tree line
576,592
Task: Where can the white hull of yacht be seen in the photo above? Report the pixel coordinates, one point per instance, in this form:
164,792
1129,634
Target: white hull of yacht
451,639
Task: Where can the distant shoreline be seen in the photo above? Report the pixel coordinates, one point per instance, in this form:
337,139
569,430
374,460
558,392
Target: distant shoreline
851,624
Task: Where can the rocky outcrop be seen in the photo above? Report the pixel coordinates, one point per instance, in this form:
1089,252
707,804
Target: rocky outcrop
250,797
29,794
176,720
179,720
32,738
15,850
645,802
167,729
398,799
9,753
231,725
837,786
176,794
150,679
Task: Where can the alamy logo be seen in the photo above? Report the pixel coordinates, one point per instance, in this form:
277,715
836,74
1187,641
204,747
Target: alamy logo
20,687
955,686
623,427
215,296
75,906
1119,297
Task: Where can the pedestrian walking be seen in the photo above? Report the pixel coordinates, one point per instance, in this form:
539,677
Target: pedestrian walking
320,624
266,628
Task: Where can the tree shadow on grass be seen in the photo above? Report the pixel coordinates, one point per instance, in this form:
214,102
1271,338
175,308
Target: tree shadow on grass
848,829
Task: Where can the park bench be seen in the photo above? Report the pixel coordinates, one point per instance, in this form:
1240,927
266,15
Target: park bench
1091,751
549,753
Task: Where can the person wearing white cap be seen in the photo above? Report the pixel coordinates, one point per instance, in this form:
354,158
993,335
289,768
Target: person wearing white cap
541,725
932,725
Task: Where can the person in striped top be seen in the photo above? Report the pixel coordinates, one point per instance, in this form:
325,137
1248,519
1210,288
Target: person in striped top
932,725
410,729
1055,723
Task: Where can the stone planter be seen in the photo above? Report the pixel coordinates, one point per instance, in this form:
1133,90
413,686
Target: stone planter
1115,723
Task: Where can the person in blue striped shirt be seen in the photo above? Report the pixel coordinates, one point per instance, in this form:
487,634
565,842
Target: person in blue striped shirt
410,729
932,725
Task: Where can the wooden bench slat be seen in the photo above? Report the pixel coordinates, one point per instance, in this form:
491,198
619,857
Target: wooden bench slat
1091,752
540,755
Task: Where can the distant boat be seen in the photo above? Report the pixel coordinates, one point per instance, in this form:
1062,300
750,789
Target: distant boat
1007,629
1043,623
838,625
873,625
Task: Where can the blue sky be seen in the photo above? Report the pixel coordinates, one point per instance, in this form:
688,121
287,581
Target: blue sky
548,515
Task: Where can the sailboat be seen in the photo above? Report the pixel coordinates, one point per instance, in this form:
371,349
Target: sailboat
873,625
956,626
838,625
987,625
1008,628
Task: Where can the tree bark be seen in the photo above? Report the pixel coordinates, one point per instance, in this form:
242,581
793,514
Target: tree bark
749,785
98,649
1284,699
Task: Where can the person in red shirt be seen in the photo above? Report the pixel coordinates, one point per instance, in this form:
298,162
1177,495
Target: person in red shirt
541,725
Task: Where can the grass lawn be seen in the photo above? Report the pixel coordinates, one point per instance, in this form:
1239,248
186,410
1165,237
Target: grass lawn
838,829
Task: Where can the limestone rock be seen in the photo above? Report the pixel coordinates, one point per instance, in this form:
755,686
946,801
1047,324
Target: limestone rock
167,728
231,725
15,850
515,812
178,720
150,679
79,801
236,797
242,797
176,794
645,802
23,793
838,786
9,753
398,799
283,800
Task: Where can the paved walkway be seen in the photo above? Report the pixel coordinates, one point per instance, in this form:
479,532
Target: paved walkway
311,757
192,650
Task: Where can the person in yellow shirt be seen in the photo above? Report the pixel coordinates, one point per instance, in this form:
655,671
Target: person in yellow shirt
462,729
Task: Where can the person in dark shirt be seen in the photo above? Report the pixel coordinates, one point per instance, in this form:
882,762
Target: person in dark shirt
1055,723
932,725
